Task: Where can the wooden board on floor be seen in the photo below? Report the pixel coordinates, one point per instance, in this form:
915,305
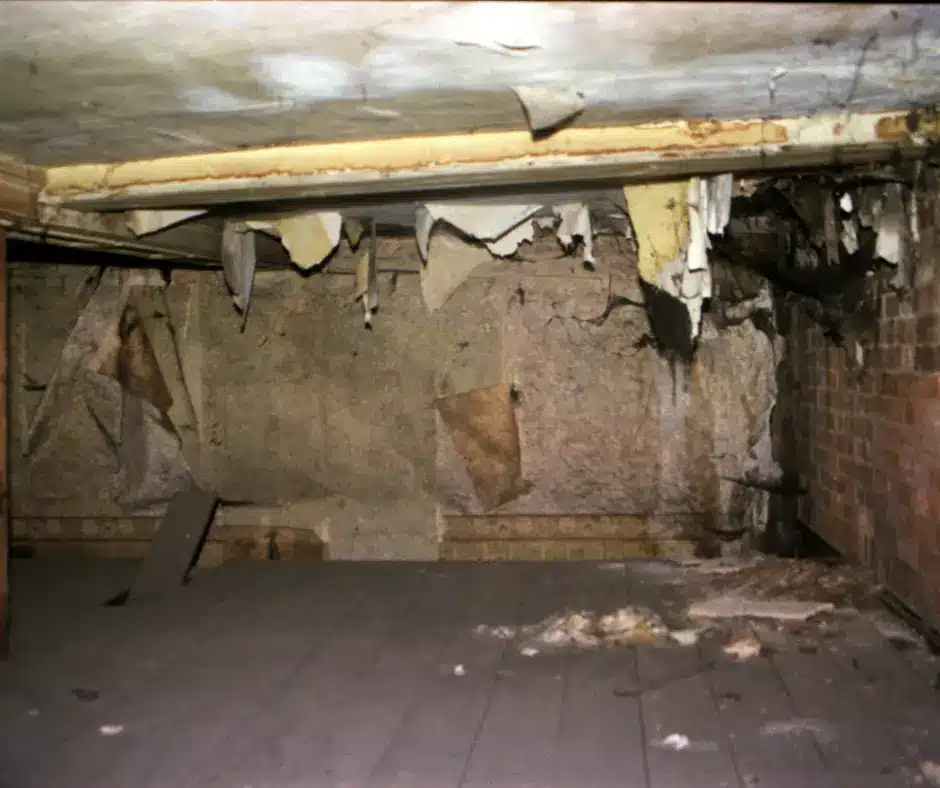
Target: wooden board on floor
177,543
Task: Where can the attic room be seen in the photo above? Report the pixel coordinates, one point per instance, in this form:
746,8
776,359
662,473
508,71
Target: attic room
472,393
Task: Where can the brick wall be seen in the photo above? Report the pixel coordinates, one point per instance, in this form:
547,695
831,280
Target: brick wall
867,445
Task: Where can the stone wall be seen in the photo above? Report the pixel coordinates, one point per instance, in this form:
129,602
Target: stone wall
306,423
866,443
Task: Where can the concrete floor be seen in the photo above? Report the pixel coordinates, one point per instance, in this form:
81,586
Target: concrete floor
277,676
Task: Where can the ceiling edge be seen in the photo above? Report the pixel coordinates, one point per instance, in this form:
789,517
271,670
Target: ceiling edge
463,163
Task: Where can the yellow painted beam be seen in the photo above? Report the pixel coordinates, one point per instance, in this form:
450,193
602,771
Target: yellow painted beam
384,167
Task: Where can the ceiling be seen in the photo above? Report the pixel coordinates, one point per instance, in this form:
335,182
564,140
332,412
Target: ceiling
109,81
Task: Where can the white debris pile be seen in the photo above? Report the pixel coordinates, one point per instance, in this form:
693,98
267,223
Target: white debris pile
585,629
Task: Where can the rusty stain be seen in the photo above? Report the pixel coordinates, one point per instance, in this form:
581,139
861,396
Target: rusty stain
892,129
837,130
701,136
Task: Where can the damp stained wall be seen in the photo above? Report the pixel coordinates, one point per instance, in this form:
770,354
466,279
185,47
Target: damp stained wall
308,421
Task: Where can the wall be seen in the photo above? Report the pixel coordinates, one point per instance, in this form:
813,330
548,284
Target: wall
312,428
867,444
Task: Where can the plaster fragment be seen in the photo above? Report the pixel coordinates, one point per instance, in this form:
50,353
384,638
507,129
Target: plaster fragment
485,222
353,229
849,236
450,262
239,260
743,649
367,280
672,222
147,222
890,226
575,222
309,238
548,108
511,241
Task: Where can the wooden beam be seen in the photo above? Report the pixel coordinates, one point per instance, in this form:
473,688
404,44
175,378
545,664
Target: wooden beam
5,536
463,163
25,219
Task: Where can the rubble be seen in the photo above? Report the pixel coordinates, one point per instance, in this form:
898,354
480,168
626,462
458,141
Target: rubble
743,649
584,629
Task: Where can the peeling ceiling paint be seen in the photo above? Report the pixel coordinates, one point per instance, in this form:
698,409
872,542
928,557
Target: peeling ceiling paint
94,81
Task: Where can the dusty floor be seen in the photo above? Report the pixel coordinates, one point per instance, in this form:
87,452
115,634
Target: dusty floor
273,675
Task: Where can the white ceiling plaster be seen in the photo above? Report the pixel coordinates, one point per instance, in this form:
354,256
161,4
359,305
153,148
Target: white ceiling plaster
110,80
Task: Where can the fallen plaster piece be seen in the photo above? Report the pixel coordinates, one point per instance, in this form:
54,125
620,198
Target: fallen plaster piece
501,632
743,607
679,742
460,670
309,238
743,649
585,629
675,741
146,222
239,260
548,108
822,730
575,222
930,772
111,730
450,263
685,637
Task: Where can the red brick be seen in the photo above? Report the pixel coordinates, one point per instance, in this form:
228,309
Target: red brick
907,331
926,330
889,305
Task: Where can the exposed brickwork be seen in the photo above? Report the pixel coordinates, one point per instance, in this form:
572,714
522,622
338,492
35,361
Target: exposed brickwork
571,538
868,446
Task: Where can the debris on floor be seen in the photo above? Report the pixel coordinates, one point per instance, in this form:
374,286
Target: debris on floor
86,695
793,579
930,772
500,632
822,730
586,629
743,648
719,566
675,741
745,607
460,670
686,637
679,742
111,730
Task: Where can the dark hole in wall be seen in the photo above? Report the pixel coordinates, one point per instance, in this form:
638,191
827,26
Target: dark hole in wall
670,324
34,252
